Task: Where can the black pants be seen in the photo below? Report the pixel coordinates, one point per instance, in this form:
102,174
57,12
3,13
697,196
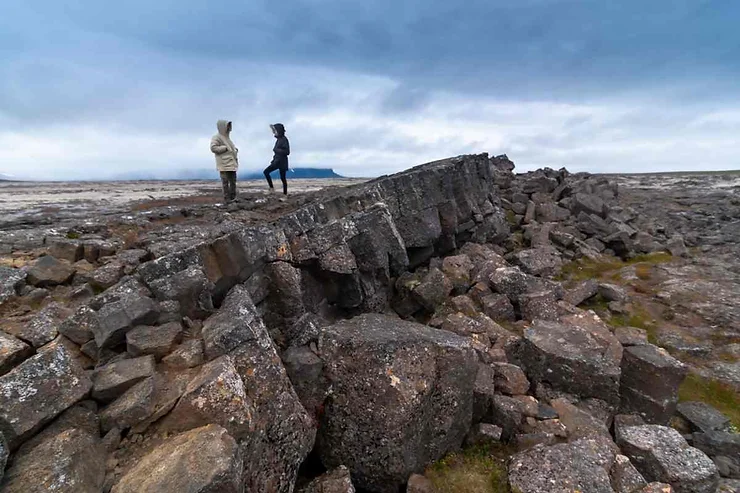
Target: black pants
272,168
228,181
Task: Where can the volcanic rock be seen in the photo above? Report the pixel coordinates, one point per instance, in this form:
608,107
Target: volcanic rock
37,390
427,377
582,465
48,271
582,359
661,454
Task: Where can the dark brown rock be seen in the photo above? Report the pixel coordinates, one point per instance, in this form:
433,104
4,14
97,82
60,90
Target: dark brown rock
427,377
48,271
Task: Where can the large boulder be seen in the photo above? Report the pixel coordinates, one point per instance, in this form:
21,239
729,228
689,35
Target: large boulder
580,356
204,460
649,383
282,431
71,461
48,271
425,377
37,390
662,454
582,465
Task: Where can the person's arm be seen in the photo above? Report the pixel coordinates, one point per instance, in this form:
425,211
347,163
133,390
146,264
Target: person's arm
282,147
217,147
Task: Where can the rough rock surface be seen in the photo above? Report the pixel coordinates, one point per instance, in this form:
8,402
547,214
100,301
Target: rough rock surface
582,465
11,281
662,454
37,390
215,395
283,433
12,352
48,271
581,359
203,460
426,376
650,381
71,461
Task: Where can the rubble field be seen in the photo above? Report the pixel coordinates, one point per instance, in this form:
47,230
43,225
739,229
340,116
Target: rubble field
456,327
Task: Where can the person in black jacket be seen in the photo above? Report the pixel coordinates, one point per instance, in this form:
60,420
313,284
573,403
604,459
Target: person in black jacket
280,158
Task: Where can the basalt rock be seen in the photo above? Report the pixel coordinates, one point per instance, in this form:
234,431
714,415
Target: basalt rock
575,356
583,465
427,377
36,391
48,271
661,454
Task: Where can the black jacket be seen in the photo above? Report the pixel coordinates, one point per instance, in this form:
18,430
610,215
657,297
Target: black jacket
281,149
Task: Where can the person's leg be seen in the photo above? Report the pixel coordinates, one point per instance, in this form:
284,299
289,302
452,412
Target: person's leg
267,172
232,185
285,182
225,184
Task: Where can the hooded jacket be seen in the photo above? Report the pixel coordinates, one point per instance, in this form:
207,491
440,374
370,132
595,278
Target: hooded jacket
224,149
281,150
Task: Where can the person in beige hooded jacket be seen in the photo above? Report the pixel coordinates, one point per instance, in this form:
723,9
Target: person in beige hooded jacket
227,161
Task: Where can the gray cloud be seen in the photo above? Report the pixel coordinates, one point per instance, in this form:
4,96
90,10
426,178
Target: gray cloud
368,87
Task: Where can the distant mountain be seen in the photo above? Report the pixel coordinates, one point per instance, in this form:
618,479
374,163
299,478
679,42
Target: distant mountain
304,173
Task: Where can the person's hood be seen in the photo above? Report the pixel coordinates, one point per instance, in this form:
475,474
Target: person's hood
223,126
278,128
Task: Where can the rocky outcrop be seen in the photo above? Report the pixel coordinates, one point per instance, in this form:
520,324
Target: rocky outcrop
426,378
380,327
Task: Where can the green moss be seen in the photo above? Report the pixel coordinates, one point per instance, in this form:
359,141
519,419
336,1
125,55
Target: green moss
641,319
717,394
584,268
511,218
474,470
72,235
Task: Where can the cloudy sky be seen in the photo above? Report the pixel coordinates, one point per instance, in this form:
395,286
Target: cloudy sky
96,89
